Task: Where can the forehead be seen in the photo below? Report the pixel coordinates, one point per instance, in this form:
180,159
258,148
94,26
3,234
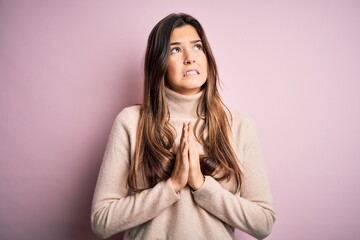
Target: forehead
184,33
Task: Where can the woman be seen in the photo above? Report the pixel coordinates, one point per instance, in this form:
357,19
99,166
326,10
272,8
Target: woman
181,165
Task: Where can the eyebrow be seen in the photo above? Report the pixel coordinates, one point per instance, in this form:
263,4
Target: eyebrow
178,43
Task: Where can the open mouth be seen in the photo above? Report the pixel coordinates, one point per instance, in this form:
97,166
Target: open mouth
191,73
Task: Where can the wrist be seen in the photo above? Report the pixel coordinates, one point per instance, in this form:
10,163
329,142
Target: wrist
199,183
175,185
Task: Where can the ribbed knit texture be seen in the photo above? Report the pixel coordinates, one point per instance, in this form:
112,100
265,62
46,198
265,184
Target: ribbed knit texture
211,212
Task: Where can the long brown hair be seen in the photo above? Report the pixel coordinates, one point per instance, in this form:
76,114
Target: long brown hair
155,139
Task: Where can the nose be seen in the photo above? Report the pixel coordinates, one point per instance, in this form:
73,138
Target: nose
189,57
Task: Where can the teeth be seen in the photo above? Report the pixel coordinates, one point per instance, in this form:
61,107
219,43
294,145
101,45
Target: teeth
190,73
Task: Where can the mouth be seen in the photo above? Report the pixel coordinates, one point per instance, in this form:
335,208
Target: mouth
190,73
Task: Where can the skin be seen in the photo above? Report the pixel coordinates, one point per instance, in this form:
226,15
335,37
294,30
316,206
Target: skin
186,54
187,166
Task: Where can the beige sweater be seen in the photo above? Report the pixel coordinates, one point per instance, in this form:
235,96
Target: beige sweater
211,212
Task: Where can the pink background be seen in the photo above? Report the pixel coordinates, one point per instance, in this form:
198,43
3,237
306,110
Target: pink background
68,67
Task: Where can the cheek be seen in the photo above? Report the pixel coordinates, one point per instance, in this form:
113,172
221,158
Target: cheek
204,60
205,66
173,69
169,73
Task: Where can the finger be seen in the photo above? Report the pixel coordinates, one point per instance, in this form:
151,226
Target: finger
186,130
183,132
191,136
192,150
183,138
185,152
190,131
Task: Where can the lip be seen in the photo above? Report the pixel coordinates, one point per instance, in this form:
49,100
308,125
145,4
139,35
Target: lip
190,70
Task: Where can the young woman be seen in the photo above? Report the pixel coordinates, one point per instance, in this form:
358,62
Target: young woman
181,165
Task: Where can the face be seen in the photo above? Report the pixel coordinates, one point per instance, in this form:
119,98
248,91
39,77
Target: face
187,69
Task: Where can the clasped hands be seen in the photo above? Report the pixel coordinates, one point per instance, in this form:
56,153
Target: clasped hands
187,164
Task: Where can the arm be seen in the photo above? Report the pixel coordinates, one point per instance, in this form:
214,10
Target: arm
113,210
252,210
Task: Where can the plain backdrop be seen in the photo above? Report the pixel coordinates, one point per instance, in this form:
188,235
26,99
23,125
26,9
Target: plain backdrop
67,68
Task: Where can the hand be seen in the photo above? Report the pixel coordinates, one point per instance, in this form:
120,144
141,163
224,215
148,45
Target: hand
180,175
196,178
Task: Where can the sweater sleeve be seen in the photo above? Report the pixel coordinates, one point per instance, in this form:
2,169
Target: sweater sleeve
252,210
113,209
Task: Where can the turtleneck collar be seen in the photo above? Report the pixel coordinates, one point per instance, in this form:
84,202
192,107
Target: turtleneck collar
182,106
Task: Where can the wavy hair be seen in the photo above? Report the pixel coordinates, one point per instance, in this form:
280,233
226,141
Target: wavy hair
154,157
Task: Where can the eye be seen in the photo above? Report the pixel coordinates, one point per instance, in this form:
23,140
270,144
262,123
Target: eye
175,50
198,47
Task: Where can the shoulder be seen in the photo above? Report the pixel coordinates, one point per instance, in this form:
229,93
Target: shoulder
239,119
128,117
129,112
242,124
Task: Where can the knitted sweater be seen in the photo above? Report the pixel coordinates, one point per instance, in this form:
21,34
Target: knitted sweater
211,212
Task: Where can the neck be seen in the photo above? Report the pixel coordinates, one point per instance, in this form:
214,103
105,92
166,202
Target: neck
182,106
